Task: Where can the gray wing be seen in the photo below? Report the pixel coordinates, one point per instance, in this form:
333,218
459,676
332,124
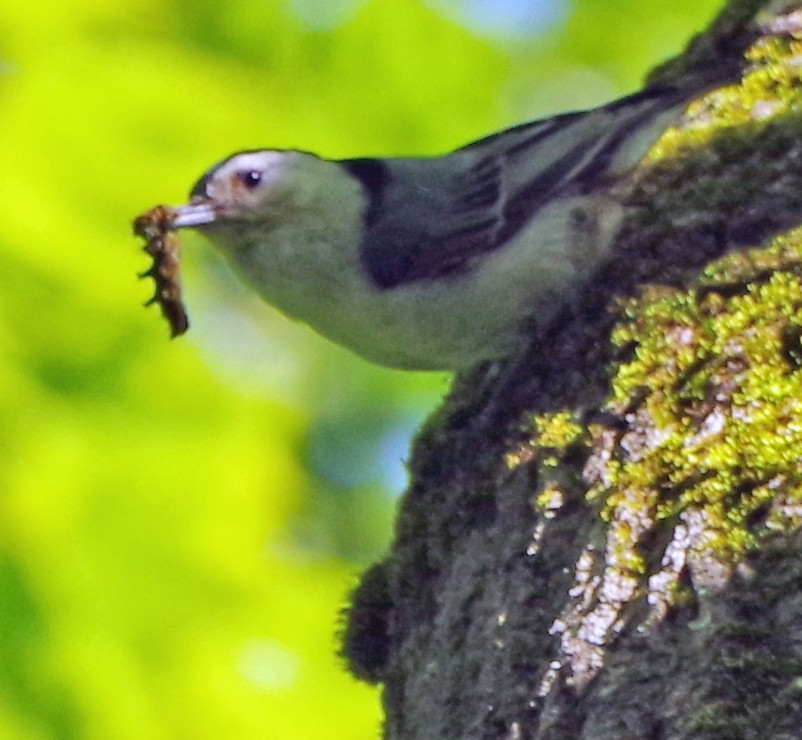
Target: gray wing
431,218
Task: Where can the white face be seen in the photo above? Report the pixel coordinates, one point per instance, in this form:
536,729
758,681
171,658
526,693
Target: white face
246,186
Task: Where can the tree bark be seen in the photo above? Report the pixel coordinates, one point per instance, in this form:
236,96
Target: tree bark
600,539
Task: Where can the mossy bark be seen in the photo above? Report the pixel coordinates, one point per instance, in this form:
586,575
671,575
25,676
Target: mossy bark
601,536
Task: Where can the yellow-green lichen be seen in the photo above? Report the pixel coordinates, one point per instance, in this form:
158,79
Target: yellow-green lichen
556,431
769,89
712,395
550,436
694,458
549,498
705,459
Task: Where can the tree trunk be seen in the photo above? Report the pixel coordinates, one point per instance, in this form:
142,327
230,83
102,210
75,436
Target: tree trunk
600,538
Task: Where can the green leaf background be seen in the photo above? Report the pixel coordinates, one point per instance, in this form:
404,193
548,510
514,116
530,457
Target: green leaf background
180,521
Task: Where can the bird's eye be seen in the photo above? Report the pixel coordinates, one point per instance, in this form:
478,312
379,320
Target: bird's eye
250,179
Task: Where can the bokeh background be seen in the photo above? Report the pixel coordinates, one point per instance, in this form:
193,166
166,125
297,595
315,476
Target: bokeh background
181,521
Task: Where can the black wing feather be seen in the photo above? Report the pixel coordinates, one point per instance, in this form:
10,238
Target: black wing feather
431,218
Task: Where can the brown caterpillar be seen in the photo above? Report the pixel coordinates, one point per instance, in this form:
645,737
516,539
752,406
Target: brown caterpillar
161,242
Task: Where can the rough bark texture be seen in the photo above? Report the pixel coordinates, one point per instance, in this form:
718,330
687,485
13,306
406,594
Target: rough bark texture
600,540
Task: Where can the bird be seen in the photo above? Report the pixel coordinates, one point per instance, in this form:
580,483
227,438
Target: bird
433,263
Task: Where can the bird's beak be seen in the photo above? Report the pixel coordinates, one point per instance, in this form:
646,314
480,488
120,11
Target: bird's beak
198,212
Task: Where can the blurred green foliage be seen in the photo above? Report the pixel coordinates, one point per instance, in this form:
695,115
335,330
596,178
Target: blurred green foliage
180,521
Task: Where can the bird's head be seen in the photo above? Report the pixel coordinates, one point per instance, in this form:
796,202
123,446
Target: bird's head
255,187
289,222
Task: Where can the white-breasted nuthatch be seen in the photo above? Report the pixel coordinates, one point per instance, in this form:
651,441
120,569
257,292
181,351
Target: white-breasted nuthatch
432,263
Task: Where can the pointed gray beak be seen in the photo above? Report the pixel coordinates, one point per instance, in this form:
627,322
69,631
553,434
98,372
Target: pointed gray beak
197,212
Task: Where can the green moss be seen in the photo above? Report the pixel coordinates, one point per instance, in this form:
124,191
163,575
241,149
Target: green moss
716,721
